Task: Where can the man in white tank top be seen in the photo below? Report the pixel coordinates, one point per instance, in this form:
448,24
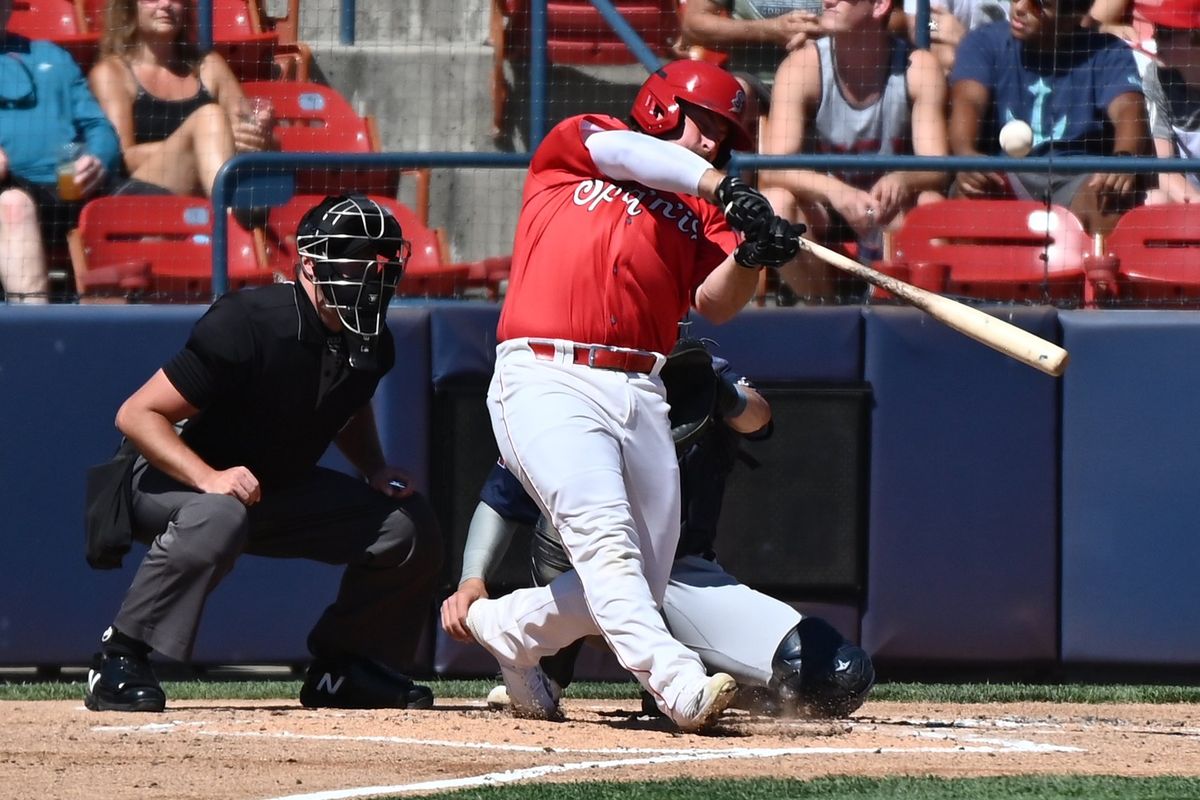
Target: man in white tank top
1172,89
857,90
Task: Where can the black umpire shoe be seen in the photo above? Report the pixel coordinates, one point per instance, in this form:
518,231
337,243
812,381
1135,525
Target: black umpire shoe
360,683
123,683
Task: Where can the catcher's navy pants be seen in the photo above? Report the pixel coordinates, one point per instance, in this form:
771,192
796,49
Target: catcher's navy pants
391,549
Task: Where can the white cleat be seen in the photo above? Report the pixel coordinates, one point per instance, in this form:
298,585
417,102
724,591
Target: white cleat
530,693
718,692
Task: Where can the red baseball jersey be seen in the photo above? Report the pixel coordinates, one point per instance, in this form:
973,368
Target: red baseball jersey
602,262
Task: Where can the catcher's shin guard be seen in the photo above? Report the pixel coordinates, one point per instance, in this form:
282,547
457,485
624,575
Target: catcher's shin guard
817,673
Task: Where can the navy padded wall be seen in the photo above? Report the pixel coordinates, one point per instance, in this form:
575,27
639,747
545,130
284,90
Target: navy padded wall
64,371
1129,520
962,550
463,341
819,345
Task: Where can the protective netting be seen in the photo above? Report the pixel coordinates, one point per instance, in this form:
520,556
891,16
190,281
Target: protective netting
114,138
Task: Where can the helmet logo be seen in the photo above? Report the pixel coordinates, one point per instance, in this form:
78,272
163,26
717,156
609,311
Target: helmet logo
738,104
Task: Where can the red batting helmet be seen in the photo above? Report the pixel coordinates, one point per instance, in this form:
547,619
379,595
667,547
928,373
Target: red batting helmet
656,107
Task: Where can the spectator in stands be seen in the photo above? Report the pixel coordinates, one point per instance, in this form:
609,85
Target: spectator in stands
229,432
1116,17
755,35
45,105
180,115
1173,94
858,90
949,22
1080,92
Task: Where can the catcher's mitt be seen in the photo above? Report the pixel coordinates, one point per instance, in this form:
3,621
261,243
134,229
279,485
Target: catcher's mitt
692,390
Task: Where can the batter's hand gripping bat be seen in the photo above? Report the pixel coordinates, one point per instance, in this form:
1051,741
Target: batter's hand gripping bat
995,333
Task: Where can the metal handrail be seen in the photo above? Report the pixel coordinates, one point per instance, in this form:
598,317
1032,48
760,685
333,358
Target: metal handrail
272,175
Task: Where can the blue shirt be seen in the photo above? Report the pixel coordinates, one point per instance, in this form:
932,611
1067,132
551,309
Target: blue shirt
45,103
1063,95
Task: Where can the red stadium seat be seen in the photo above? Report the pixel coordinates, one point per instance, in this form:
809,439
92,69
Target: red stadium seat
426,275
239,37
575,34
1003,250
1157,255
161,242
58,21
311,117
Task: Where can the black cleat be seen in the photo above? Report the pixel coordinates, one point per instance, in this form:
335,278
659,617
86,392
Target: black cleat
360,683
123,683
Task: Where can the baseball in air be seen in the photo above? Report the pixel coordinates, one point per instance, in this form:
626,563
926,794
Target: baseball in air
1016,137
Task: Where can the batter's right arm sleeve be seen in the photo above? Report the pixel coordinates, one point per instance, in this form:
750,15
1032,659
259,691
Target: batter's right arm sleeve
633,156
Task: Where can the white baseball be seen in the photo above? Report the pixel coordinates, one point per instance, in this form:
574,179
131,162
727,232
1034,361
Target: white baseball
1016,137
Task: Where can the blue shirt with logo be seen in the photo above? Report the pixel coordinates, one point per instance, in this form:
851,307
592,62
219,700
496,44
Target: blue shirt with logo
1064,95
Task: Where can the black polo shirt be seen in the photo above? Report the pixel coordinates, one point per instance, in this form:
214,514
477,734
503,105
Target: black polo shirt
272,383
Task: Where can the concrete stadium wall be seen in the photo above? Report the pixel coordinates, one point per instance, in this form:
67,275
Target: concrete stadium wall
1013,520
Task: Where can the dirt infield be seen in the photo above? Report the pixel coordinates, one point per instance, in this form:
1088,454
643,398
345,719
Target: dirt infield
242,750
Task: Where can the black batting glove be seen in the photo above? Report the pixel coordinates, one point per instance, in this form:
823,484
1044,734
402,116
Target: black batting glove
776,244
746,210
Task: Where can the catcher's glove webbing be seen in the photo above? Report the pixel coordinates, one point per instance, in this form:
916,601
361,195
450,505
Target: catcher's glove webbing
694,391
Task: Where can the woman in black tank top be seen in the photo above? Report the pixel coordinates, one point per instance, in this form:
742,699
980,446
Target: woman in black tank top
176,112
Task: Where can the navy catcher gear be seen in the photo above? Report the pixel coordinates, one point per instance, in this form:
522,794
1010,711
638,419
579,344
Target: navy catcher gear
692,391
818,673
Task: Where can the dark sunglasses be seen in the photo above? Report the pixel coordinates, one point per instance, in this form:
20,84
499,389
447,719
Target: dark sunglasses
17,89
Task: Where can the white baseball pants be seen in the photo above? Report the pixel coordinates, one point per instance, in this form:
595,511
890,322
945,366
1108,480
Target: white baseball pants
593,448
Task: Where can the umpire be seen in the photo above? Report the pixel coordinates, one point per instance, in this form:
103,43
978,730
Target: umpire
230,431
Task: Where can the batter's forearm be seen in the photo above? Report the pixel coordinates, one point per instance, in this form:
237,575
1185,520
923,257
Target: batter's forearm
726,291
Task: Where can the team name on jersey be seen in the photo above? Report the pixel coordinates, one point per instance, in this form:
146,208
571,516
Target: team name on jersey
592,192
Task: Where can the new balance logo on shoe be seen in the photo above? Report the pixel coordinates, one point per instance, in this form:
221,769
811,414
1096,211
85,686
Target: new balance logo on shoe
328,684
360,683
93,679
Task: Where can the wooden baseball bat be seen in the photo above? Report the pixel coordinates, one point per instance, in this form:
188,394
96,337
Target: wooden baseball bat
995,333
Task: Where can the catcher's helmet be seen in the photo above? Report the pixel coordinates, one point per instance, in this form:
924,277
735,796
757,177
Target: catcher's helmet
656,109
358,252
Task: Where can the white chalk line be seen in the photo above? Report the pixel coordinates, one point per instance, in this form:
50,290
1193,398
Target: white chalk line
650,756
511,776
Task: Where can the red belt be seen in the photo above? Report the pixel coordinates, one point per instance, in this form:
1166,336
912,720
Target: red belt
601,357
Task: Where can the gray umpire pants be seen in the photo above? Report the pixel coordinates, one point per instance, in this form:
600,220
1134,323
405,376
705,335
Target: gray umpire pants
391,548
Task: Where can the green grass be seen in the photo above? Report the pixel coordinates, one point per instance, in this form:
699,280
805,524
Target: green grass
848,788
886,692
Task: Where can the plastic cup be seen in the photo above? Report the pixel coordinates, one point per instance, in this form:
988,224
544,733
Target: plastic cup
256,111
68,189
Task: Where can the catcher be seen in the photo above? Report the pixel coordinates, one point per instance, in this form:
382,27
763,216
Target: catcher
785,664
